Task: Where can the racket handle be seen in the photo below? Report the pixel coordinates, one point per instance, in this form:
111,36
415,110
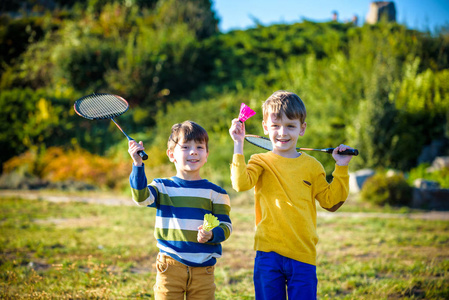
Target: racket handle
354,152
143,154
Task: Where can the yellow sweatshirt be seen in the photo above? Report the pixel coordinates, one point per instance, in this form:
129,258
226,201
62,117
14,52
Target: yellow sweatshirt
285,193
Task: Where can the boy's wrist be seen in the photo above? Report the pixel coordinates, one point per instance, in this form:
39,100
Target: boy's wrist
238,147
212,236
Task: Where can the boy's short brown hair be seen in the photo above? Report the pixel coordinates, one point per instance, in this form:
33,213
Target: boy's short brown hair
187,131
285,103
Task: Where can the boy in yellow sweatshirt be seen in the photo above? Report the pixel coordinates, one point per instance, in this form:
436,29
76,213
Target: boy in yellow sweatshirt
287,183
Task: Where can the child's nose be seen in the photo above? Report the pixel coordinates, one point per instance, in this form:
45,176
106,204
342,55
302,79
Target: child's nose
282,130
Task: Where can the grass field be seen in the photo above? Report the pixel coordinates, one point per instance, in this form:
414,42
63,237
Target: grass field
76,250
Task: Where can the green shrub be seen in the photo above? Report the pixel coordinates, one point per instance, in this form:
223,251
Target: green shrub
441,176
16,34
384,189
29,119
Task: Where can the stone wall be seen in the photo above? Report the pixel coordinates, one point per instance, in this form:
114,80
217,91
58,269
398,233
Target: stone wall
426,194
429,195
379,10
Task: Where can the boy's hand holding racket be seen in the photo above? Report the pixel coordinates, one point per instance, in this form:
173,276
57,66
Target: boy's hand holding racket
342,160
134,149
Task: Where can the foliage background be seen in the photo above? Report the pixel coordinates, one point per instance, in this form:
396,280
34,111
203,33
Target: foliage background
383,88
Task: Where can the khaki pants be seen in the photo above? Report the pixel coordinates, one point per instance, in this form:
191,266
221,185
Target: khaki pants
174,280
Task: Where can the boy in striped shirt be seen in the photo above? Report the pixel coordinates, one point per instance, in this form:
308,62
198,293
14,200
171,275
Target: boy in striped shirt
187,252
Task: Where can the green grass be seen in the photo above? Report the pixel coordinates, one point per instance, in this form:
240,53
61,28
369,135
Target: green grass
78,251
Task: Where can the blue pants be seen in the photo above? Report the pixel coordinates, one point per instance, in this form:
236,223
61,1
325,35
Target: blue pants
275,276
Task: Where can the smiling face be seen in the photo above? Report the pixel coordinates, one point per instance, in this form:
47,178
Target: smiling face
188,157
188,149
283,133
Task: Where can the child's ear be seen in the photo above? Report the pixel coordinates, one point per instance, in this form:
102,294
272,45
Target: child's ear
303,129
170,155
265,128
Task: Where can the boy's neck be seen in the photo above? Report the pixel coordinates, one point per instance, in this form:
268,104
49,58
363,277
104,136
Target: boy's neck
190,176
294,154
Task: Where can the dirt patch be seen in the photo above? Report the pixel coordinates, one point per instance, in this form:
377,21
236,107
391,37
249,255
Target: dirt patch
119,200
93,198
72,222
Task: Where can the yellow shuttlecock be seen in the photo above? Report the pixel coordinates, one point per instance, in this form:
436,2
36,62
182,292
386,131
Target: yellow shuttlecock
210,222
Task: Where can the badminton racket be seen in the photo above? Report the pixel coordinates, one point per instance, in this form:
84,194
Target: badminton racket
265,143
104,106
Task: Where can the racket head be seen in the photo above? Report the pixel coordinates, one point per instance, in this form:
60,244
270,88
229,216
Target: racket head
100,106
265,143
259,141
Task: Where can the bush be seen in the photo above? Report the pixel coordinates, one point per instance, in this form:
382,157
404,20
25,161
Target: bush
56,167
423,171
21,172
384,189
80,165
28,119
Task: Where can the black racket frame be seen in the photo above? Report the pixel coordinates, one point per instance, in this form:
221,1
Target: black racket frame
111,116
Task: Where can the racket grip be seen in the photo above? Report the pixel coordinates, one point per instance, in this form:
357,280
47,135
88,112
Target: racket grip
354,152
143,154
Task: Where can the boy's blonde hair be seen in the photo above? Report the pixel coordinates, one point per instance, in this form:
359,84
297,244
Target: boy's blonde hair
187,131
285,103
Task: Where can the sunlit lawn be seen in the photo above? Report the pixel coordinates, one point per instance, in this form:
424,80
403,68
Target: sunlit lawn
78,250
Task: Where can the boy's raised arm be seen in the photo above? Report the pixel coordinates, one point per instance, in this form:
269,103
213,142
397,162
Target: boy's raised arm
340,183
137,179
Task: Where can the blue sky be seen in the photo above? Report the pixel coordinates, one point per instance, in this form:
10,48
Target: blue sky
240,14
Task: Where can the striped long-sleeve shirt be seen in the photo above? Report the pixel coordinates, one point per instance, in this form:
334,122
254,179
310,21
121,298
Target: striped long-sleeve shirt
181,206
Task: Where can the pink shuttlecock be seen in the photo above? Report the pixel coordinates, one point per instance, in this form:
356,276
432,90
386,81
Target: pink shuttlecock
245,113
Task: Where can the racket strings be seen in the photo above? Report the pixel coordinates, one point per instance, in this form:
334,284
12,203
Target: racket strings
265,143
260,142
102,106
